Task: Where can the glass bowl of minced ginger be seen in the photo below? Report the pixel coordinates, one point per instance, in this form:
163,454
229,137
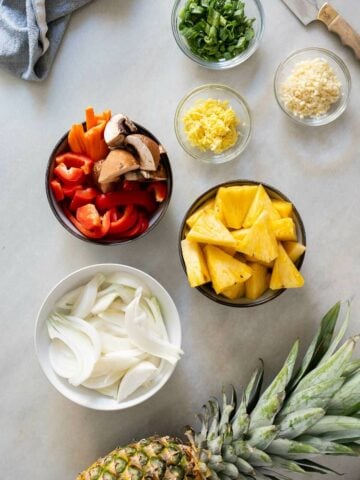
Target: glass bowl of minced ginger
213,123
312,86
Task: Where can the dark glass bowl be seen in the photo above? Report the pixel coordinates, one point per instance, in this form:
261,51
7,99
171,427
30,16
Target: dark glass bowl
62,146
207,289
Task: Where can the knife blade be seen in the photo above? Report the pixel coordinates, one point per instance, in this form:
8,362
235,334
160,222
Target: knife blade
308,11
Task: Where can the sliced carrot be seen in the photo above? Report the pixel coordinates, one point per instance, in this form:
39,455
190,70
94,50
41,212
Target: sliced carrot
73,141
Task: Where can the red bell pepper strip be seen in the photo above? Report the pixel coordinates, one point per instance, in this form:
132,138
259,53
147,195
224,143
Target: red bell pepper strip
82,197
96,233
88,216
57,190
115,199
159,189
76,160
130,185
140,227
69,175
69,190
125,222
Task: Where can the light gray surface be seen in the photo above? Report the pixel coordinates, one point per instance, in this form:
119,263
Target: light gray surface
122,55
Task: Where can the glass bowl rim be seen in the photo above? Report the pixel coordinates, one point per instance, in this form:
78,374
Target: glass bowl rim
239,182
241,100
325,119
226,64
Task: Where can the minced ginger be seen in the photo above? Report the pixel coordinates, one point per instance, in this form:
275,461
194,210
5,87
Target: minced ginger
311,89
211,125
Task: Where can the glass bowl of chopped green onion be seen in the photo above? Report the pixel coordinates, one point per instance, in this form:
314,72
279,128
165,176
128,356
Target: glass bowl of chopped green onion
312,86
218,34
213,123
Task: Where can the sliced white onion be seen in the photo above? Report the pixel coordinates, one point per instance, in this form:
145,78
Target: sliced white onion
103,303
128,281
63,359
87,297
67,301
135,378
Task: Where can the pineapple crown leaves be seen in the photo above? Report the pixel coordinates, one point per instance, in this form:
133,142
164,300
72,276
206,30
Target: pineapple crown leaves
302,414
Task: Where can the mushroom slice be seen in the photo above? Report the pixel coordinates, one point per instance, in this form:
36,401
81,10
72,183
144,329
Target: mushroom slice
135,176
159,174
147,149
104,187
117,163
116,130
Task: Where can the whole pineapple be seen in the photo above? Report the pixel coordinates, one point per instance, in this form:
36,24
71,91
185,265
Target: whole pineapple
315,411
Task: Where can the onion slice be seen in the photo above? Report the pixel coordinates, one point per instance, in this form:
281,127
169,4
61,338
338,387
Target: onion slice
135,378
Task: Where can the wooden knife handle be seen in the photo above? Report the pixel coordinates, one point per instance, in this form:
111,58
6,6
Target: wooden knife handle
337,24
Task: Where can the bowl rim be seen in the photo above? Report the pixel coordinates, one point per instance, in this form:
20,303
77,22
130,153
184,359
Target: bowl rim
231,183
143,275
325,119
244,143
226,64
72,230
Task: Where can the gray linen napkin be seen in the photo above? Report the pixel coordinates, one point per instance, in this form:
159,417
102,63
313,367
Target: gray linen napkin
30,34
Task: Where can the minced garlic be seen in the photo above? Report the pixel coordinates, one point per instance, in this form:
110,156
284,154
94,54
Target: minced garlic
311,89
211,125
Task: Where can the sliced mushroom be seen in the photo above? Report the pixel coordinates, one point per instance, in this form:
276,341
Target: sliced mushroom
147,149
134,176
144,175
118,162
104,187
116,130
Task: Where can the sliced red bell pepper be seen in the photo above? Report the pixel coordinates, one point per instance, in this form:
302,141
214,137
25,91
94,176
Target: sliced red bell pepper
159,189
125,222
69,175
140,227
130,185
88,216
82,197
96,233
69,190
57,190
76,160
115,199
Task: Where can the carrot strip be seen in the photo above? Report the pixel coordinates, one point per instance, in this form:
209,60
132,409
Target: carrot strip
73,141
90,118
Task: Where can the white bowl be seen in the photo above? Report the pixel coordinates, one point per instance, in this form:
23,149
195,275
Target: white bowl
84,396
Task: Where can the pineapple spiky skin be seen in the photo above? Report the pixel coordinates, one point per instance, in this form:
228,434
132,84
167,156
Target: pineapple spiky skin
152,458
302,414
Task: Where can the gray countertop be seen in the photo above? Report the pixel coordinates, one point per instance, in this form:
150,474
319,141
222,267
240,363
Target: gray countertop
121,55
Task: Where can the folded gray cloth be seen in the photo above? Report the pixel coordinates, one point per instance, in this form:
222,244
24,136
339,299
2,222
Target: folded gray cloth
30,34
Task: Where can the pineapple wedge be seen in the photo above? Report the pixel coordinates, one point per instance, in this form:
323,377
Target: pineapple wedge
236,291
208,229
259,243
235,203
284,208
218,209
196,269
247,258
260,203
284,229
208,206
258,283
294,250
225,271
285,274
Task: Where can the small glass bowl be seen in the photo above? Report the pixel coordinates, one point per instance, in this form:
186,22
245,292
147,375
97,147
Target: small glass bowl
207,289
242,111
253,9
341,71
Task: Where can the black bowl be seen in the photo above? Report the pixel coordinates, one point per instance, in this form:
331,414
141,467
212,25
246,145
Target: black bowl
62,146
207,289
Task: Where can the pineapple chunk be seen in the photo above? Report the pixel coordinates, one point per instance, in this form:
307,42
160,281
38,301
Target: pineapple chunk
225,271
285,274
260,242
284,208
247,258
294,250
260,203
197,214
229,250
284,229
235,203
258,283
218,209
239,235
208,229
236,291
196,268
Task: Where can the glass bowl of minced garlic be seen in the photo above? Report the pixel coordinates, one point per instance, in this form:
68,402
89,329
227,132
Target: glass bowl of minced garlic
213,123
312,86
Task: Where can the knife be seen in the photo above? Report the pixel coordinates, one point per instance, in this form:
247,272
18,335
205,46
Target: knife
307,11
